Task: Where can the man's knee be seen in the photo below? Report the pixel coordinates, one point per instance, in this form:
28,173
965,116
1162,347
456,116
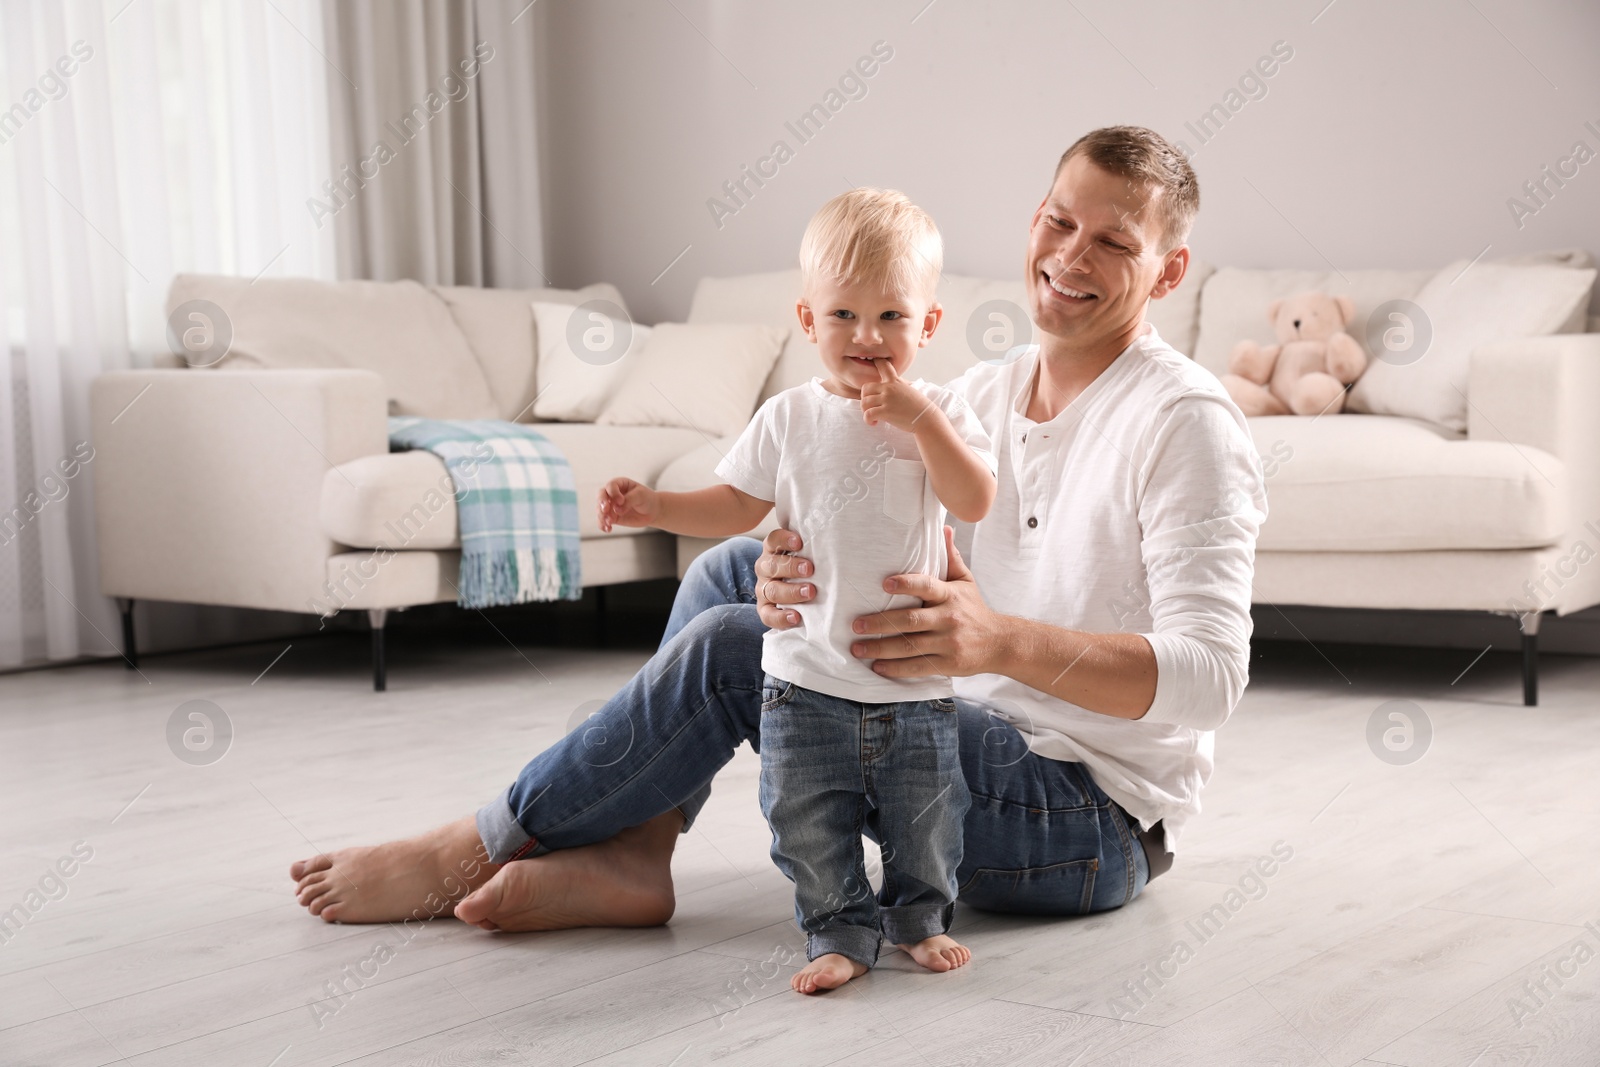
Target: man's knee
724,635
729,566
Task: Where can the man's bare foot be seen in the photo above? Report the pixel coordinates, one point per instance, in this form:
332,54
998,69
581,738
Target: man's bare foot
939,953
414,879
624,881
828,971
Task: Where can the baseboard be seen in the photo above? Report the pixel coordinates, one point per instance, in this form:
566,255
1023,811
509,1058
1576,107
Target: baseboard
1577,634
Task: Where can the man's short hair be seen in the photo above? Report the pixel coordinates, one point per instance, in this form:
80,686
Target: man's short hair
875,237
1146,157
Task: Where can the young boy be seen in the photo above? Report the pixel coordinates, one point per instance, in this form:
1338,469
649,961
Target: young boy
862,465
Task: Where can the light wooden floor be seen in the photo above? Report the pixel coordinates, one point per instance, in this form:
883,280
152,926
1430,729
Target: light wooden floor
1418,901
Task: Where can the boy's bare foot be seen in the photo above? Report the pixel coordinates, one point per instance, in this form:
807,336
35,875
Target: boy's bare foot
417,878
829,971
939,953
625,881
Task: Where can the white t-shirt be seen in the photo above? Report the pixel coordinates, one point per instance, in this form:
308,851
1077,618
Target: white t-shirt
1135,510
860,499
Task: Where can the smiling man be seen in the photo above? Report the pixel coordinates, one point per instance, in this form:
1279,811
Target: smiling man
1126,476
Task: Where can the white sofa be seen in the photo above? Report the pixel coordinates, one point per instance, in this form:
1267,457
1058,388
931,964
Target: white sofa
268,483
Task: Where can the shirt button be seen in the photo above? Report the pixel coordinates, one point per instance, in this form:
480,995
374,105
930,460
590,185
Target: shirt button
1024,438
1032,522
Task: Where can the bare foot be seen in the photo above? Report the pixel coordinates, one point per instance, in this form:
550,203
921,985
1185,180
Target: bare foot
939,953
828,971
624,881
414,879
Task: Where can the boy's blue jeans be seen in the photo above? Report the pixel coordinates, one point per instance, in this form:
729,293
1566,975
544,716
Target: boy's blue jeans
1041,838
832,769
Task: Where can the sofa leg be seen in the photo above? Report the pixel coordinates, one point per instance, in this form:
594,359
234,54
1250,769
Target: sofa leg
130,647
377,618
1530,658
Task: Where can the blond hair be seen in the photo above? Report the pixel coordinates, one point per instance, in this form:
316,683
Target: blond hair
875,237
1144,156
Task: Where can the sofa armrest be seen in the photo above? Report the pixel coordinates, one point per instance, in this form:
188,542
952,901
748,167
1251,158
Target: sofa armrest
1544,393
207,483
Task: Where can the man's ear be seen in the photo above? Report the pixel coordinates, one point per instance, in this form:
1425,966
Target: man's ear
808,321
1172,272
930,323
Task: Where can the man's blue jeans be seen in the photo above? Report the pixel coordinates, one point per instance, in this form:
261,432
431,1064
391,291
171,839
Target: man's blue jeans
832,769
1041,838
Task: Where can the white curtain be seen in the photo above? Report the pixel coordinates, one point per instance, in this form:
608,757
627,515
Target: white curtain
138,138
435,141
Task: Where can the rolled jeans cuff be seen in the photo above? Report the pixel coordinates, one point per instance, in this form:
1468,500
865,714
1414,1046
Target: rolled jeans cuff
506,840
503,837
906,924
858,943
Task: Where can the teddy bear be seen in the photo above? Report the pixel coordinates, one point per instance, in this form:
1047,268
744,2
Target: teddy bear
1307,371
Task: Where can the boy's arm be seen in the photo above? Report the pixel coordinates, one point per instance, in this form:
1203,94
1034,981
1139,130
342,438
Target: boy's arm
963,482
717,511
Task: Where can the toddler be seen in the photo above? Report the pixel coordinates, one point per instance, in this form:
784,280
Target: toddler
862,464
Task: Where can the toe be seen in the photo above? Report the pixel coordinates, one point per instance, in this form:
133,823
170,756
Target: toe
300,868
310,890
477,907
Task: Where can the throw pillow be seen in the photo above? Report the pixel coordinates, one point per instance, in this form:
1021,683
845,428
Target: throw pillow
1463,311
585,353
703,376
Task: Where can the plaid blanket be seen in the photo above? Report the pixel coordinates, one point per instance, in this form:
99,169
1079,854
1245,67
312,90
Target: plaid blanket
517,507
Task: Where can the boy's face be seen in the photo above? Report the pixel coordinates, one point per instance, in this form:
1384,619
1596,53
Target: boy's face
853,325
1098,237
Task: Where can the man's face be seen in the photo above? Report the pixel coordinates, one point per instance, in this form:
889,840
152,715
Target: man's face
1094,254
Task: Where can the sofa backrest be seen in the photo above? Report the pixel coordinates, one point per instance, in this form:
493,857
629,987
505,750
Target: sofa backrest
448,352
400,330
1234,305
972,307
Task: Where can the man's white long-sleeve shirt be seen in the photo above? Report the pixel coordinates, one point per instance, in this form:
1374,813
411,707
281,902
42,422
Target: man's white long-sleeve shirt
1134,510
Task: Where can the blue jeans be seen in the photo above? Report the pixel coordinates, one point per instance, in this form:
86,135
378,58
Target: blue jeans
832,769
1041,838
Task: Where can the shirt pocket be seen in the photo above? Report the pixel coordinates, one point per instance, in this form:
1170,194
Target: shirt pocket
903,483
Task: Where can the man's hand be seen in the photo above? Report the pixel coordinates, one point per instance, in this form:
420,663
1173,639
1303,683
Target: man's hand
893,400
775,593
954,633
625,502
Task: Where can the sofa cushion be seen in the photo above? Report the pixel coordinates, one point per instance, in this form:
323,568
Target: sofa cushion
1376,483
585,354
1233,307
405,499
400,330
1463,307
702,376
498,324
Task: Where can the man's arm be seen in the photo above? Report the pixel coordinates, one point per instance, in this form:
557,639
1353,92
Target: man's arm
955,633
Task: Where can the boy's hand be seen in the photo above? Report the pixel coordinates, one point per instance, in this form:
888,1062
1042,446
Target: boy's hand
893,400
625,502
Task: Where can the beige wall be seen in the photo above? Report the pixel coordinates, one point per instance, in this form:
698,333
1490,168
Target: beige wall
1393,136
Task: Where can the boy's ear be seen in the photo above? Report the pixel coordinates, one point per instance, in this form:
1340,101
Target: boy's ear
930,323
808,321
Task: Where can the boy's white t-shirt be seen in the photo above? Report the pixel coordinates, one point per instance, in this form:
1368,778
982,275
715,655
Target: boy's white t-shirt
860,499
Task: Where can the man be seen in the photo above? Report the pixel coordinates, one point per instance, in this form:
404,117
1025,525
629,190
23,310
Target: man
1099,636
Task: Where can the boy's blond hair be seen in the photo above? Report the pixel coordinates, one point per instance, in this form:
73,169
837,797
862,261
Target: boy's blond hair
875,237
